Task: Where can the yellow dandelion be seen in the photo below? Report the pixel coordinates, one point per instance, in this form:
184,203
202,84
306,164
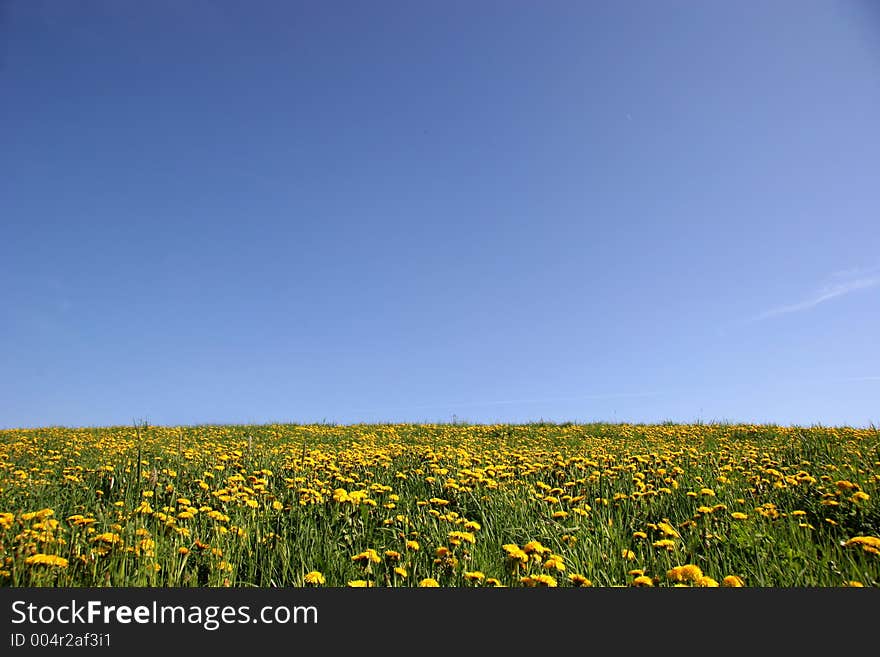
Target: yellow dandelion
870,544
539,581
554,563
667,530
367,556
732,581
46,560
686,573
108,538
579,580
457,538
514,553
314,578
533,547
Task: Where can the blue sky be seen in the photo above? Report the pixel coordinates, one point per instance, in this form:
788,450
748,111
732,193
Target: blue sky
396,211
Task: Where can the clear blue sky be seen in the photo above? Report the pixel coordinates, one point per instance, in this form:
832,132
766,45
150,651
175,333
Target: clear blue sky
411,211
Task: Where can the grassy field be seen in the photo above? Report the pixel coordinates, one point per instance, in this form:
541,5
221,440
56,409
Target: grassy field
448,505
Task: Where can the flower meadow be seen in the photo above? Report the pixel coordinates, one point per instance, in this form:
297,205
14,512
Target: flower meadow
440,505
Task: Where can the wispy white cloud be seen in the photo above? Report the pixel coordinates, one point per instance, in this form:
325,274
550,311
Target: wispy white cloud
854,272
844,282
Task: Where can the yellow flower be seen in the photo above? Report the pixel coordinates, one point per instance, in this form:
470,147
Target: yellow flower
514,553
859,496
629,555
39,515
314,578
457,538
46,560
429,582
277,506
412,545
579,580
640,535
665,543
367,556
686,573
870,544
706,582
400,570
360,584
108,538
642,580
732,581
554,562
6,520
667,529
474,576
533,547
539,580
738,515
